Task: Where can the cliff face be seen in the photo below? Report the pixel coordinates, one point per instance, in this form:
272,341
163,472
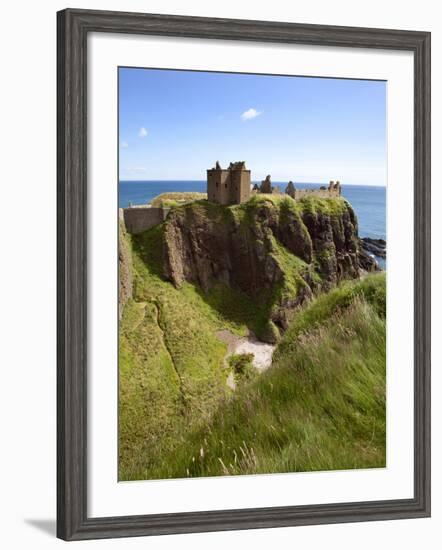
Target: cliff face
274,249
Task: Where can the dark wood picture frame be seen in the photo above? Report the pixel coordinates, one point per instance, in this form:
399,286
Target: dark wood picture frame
73,28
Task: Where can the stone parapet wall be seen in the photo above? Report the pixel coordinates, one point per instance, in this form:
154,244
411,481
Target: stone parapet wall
141,218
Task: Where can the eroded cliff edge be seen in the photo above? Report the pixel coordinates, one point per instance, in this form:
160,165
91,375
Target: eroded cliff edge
279,251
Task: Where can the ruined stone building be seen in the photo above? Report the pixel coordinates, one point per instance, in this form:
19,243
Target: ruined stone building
228,186
232,186
332,191
266,185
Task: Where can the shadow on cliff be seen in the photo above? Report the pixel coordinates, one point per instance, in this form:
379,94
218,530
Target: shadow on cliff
237,307
149,247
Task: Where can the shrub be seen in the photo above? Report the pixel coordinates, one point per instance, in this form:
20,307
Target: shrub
242,366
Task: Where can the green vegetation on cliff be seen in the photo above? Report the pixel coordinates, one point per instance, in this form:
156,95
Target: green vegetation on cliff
322,403
177,198
171,363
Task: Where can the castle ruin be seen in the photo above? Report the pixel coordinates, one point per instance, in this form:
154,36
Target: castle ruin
266,185
224,186
233,186
229,186
332,191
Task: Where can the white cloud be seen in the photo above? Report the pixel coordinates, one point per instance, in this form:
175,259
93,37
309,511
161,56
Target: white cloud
124,144
142,132
250,113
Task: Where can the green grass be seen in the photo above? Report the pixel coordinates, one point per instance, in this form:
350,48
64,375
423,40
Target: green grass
150,401
371,289
321,406
242,367
171,362
231,309
175,199
293,268
172,374
311,204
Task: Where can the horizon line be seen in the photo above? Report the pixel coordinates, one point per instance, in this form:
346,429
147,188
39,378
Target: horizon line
253,181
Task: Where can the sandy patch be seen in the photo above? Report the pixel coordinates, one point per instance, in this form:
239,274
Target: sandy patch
262,352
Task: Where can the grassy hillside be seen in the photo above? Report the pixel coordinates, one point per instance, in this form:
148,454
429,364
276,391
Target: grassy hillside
320,406
172,373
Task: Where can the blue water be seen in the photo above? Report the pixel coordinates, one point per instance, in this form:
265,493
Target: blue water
368,201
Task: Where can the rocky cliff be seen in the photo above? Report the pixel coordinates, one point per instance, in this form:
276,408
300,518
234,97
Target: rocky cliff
278,250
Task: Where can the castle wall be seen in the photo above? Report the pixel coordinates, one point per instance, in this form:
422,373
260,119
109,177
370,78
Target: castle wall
142,218
240,186
218,188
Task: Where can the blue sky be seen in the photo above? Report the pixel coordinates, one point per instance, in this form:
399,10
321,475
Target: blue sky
176,124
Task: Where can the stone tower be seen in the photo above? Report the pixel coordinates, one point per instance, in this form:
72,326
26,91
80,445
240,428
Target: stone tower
228,186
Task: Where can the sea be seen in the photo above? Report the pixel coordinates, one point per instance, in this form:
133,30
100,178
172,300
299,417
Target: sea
368,201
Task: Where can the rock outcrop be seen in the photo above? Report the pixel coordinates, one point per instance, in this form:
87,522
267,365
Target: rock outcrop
281,251
376,247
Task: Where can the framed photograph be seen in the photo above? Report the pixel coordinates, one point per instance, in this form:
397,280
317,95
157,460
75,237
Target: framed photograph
243,274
